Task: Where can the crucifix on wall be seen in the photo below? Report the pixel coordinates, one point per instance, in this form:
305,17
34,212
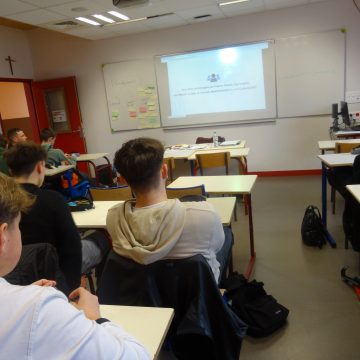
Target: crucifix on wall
10,60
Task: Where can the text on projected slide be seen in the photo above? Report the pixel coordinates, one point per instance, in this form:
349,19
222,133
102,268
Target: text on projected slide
216,81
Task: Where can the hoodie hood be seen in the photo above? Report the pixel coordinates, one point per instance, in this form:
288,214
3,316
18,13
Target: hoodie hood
146,234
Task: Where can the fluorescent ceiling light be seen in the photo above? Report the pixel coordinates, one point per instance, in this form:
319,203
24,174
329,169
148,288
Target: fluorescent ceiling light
119,15
231,2
91,22
104,18
126,22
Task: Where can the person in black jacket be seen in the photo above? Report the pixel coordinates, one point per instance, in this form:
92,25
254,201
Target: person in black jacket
50,220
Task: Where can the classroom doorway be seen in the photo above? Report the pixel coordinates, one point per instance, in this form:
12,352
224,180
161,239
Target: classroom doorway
35,105
57,107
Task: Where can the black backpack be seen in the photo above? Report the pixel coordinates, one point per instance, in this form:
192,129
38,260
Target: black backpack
312,228
260,311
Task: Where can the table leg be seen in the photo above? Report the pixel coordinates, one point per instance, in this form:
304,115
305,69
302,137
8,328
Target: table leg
252,244
329,237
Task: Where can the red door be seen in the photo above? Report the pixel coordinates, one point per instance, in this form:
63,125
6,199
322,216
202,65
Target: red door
56,104
57,107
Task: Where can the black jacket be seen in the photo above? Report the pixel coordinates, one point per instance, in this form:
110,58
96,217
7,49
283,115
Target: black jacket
203,327
50,221
38,261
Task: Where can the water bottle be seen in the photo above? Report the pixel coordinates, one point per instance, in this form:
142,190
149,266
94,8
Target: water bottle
215,139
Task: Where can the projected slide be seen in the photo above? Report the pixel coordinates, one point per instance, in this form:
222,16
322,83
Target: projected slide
229,79
234,83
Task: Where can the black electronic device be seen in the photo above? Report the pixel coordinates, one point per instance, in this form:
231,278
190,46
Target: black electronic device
334,114
344,112
334,111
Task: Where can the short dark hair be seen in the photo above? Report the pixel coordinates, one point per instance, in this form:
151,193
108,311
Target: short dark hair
46,134
139,162
12,132
13,199
22,158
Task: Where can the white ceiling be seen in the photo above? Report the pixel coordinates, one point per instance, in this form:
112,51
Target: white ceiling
48,13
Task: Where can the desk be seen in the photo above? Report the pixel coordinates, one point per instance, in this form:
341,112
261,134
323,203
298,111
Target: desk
149,325
227,184
96,218
331,161
58,170
185,153
355,191
90,158
347,134
235,153
329,145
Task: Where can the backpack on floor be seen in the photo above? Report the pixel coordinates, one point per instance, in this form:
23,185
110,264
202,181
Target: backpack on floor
260,311
312,228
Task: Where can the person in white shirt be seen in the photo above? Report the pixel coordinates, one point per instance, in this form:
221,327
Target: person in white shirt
153,227
37,321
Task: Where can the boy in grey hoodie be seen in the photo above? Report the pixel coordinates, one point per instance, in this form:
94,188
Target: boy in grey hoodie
153,227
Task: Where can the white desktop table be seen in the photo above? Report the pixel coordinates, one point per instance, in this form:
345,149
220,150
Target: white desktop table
149,325
355,191
347,134
58,170
187,152
96,218
329,145
227,184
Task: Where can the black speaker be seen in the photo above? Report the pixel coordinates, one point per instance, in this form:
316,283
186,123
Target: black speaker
334,111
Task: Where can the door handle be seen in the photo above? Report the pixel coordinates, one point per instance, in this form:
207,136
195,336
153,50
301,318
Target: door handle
80,131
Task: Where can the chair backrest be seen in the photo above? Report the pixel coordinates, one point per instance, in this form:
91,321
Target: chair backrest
203,324
209,160
111,194
38,261
204,140
177,193
171,166
345,147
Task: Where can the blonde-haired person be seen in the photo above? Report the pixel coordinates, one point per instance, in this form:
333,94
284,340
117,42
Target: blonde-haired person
37,321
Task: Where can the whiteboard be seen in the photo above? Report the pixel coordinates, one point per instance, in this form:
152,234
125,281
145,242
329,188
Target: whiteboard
131,94
310,73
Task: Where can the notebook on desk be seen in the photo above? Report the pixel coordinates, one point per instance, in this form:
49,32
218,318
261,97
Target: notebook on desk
230,143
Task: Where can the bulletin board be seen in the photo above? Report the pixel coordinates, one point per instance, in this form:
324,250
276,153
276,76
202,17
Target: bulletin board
131,94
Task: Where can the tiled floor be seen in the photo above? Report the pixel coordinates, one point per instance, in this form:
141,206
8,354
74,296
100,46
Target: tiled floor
324,319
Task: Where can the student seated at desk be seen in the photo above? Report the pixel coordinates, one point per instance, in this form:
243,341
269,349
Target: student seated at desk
153,227
58,157
54,156
15,136
37,321
50,220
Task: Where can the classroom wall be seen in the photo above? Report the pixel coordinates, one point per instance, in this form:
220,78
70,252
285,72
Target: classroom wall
285,144
14,43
